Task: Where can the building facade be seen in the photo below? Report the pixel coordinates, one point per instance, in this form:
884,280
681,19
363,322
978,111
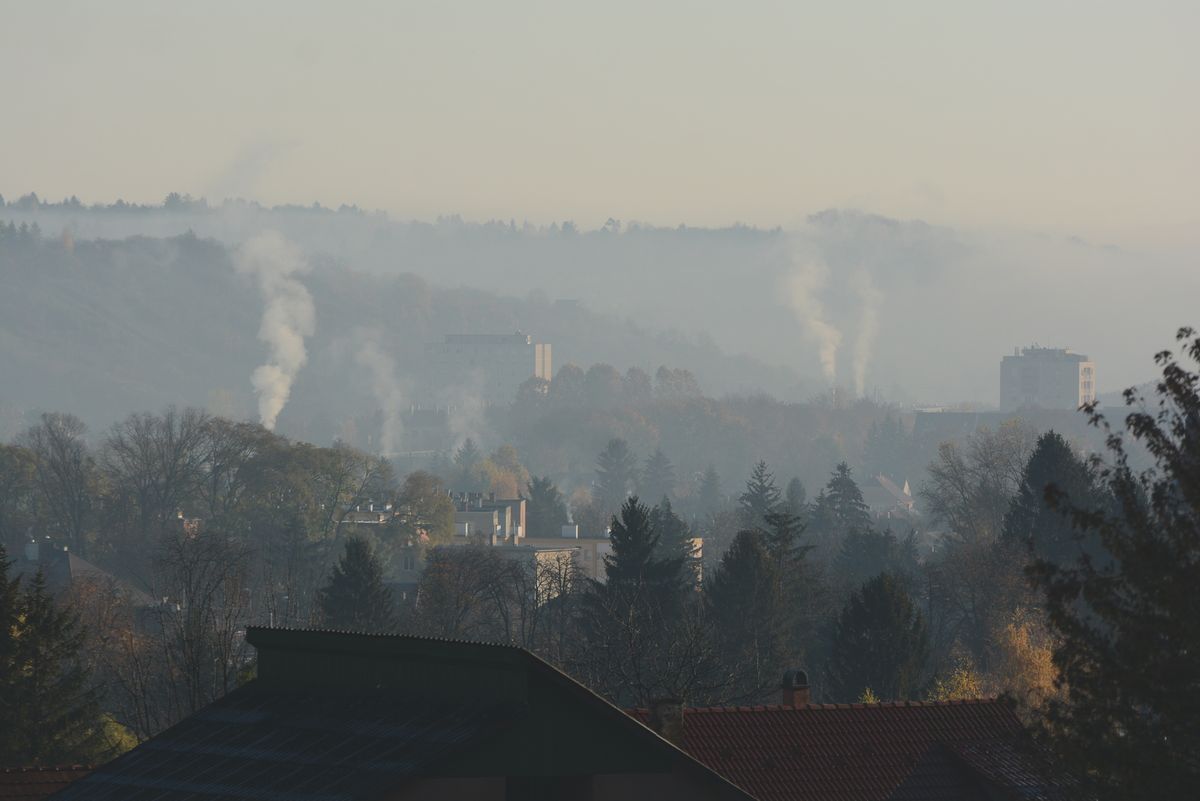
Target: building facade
1046,378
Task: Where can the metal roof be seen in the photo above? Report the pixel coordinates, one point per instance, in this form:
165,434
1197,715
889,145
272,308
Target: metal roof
291,746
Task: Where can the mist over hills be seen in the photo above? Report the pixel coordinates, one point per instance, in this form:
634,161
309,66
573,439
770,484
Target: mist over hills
100,328
124,306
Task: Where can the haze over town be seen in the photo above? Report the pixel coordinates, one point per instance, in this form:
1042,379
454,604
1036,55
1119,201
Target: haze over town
682,352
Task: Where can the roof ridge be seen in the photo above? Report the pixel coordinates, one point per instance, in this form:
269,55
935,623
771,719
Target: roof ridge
383,635
789,708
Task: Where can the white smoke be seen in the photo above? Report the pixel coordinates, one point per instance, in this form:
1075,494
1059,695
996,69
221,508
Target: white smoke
802,287
868,326
288,317
386,388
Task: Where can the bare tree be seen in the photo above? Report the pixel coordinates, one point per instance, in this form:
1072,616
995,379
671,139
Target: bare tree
195,647
970,489
65,474
155,462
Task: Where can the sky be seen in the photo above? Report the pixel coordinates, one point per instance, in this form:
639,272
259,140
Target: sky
1070,117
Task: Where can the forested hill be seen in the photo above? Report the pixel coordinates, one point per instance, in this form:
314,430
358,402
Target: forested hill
100,328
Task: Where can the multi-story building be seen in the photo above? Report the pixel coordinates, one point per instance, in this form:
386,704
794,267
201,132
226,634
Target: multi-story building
498,520
1046,378
489,367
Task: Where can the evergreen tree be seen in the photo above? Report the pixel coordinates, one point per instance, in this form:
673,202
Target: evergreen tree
658,476
1128,626
467,455
760,499
840,508
879,642
745,601
1031,521
547,512
866,552
712,497
796,499
468,477
636,566
51,708
782,533
616,470
355,599
674,535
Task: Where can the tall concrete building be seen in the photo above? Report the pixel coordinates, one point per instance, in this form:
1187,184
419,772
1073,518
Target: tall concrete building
488,366
1046,378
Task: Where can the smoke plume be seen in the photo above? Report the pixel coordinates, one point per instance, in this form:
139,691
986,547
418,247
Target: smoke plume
868,326
387,391
802,288
288,317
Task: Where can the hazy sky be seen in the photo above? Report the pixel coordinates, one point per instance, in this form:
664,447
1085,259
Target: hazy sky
1080,117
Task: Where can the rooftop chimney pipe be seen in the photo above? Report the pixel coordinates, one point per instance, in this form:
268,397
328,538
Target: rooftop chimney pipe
666,718
795,688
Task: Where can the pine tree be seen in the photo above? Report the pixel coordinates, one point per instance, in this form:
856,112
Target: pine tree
760,499
712,497
467,476
840,508
467,455
547,512
51,708
355,599
745,601
658,476
1128,626
674,535
1031,521
796,499
635,564
879,642
616,470
866,552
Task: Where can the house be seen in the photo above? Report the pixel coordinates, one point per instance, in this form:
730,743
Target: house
335,715
67,573
888,500
34,784
911,751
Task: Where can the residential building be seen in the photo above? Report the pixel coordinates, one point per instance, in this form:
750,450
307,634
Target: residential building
362,717
479,515
1046,378
589,551
889,501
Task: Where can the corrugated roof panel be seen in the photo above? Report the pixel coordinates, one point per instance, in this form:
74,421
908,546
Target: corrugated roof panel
291,746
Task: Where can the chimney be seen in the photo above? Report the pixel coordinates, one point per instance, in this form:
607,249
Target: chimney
666,718
795,688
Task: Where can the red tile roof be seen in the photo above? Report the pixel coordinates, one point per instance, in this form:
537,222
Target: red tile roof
867,752
34,784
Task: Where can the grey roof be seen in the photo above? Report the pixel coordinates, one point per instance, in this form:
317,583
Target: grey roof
275,745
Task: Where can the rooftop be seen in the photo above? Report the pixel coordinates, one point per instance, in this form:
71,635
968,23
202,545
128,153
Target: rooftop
946,751
34,784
